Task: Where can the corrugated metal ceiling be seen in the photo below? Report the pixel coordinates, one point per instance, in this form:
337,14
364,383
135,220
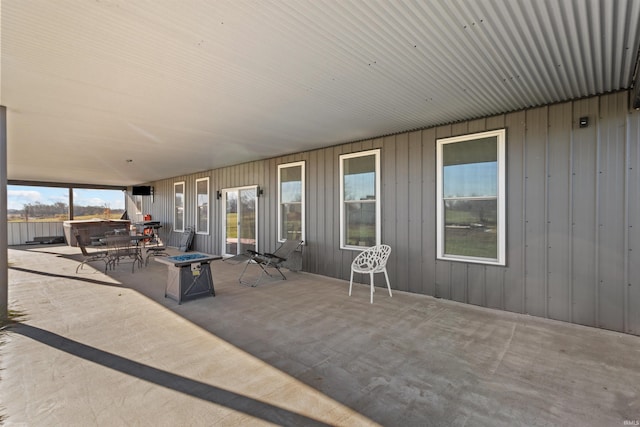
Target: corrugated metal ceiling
182,86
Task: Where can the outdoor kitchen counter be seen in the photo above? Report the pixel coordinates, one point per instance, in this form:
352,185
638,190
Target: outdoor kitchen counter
91,227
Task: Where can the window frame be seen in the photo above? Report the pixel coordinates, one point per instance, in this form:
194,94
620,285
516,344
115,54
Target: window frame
197,210
300,164
180,228
378,202
501,226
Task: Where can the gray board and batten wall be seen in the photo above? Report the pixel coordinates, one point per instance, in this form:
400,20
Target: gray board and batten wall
573,213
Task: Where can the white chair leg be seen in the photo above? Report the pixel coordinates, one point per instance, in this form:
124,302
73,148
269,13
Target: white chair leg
351,283
372,290
387,277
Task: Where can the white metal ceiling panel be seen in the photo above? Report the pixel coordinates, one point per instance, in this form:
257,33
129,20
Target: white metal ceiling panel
183,86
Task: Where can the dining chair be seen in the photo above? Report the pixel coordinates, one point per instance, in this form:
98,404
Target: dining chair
89,256
371,261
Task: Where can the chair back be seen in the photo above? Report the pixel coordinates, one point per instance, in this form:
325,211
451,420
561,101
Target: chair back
373,259
186,240
287,248
80,243
119,245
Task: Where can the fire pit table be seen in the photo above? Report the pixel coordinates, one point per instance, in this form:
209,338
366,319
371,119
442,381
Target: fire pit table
189,276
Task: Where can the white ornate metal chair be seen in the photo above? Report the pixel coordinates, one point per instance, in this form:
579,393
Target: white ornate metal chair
370,261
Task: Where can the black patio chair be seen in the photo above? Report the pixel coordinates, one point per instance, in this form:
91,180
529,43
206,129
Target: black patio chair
186,240
90,256
161,241
268,261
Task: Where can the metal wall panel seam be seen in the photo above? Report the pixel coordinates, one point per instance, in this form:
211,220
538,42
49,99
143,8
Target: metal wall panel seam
546,216
523,229
597,218
571,174
419,218
627,150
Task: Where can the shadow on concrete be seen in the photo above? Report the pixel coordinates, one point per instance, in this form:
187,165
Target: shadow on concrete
197,389
65,276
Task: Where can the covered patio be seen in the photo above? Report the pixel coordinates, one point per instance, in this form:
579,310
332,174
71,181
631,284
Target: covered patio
96,349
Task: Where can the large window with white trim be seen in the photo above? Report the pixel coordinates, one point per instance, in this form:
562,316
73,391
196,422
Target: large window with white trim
202,205
471,216
178,206
360,200
291,212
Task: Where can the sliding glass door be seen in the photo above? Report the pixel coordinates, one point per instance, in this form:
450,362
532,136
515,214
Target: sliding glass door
240,228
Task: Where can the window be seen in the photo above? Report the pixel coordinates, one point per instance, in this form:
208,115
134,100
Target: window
138,202
51,204
291,201
202,206
178,206
360,200
471,198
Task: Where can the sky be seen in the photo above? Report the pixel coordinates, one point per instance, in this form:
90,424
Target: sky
19,195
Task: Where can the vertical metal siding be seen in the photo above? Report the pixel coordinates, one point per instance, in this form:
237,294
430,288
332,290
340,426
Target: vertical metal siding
558,211
401,184
514,292
20,232
632,302
415,224
493,292
388,185
573,225
584,214
535,211
611,256
429,279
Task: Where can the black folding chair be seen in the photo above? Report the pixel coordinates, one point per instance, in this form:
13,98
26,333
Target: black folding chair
186,240
161,241
268,261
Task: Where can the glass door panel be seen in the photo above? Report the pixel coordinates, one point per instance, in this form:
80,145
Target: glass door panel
231,223
240,226
247,220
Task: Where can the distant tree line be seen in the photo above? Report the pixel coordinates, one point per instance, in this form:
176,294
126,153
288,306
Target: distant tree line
59,209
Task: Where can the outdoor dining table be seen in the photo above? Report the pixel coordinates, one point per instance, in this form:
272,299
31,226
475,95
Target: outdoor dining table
127,245
189,276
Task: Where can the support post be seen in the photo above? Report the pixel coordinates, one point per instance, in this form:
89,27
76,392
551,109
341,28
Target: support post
4,265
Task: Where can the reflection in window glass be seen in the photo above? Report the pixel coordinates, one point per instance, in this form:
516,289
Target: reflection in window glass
360,204
471,228
202,206
360,178
291,201
138,201
178,203
471,198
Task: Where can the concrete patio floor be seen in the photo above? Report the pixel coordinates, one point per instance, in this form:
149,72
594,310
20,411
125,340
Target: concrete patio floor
96,349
